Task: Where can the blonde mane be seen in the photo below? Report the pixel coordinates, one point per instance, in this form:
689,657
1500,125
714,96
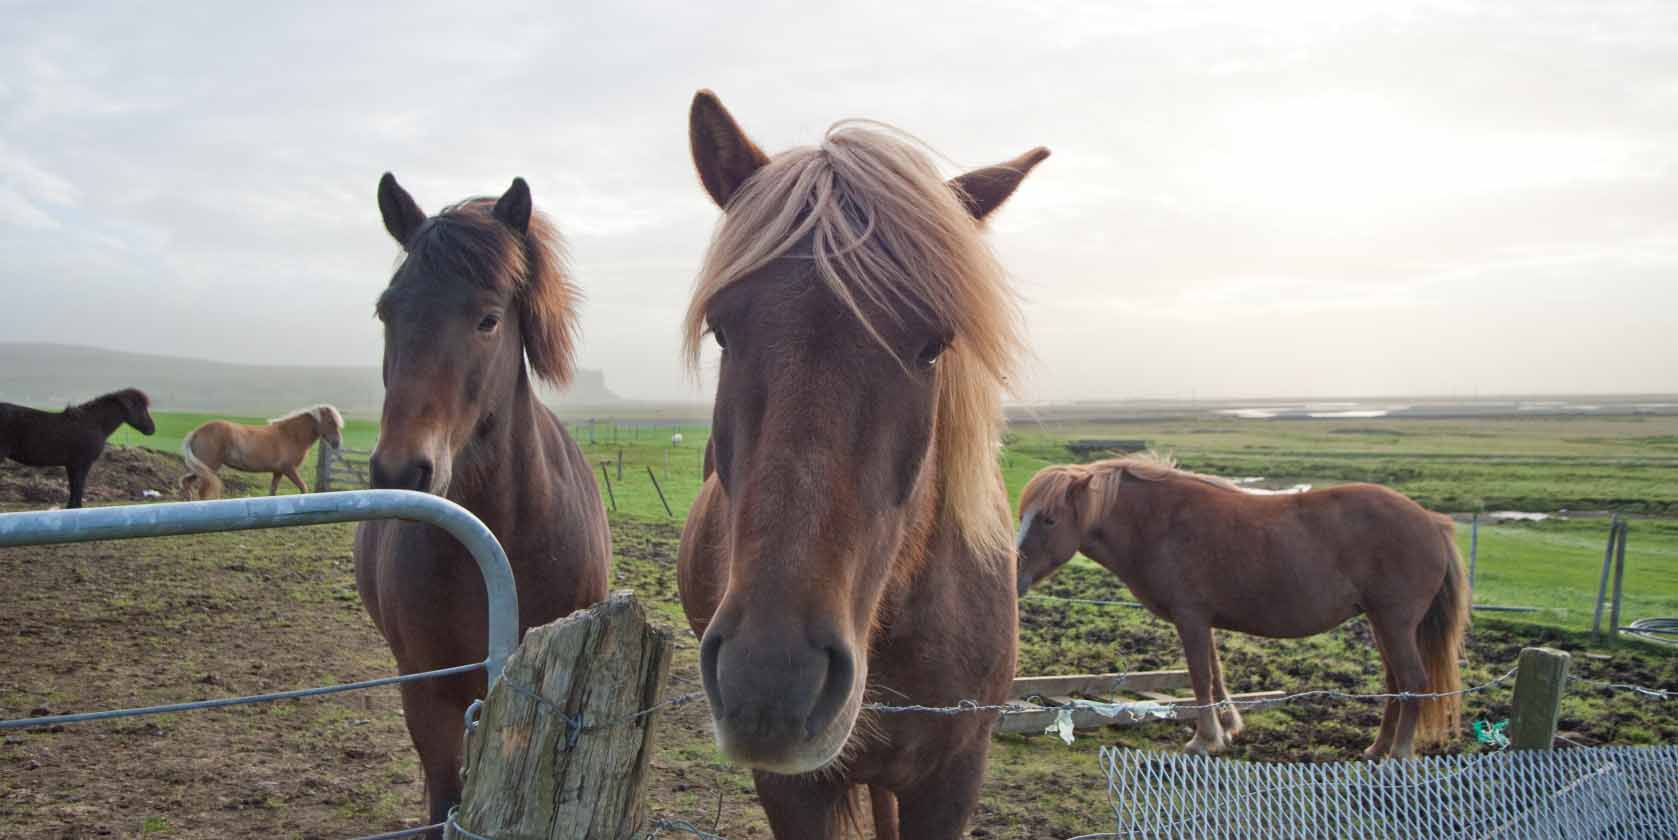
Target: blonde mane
885,229
322,414
1053,484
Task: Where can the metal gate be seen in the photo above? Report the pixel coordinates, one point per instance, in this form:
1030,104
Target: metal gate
178,518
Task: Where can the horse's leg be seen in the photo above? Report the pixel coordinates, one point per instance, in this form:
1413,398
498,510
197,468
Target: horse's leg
1404,660
291,473
884,806
1196,634
1229,716
77,473
1389,715
938,809
274,485
803,806
436,723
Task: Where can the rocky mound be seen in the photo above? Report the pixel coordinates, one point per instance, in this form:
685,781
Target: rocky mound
122,474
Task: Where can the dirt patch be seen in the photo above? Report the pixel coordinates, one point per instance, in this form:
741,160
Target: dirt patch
122,474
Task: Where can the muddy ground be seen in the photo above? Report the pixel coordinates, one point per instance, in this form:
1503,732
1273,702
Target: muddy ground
113,624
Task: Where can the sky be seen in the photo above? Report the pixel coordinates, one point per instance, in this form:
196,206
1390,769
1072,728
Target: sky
1244,200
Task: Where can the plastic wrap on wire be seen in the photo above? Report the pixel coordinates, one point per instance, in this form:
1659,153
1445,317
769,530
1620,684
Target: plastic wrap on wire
1623,793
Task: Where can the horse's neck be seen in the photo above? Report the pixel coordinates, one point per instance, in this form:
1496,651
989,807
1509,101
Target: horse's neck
512,434
1122,540
106,414
300,430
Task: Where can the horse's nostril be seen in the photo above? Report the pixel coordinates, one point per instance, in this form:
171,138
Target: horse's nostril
835,691
422,476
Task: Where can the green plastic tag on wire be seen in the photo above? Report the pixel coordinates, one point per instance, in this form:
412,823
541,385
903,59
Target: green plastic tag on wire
1487,732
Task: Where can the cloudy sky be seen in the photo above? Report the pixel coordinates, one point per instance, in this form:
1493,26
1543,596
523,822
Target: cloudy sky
1245,199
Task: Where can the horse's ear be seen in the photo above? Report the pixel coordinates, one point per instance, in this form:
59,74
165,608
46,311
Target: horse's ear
513,209
983,190
402,215
723,154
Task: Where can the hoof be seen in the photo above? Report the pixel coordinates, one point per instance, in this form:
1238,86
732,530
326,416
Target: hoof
1232,723
1197,746
1374,752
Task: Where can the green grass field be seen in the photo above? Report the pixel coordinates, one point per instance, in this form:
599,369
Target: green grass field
1538,464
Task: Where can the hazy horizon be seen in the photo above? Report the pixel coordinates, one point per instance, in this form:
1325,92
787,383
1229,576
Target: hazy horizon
1303,199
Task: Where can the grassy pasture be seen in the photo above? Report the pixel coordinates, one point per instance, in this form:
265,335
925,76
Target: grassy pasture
107,624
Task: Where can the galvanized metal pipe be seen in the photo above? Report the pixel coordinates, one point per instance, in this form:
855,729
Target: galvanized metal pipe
177,518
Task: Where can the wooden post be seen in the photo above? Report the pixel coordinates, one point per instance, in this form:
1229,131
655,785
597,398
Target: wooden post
1602,584
661,499
532,772
1473,548
620,464
323,467
608,479
1540,680
1619,580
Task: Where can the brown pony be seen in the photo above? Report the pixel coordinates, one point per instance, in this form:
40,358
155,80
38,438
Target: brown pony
1199,552
482,287
852,545
72,438
277,447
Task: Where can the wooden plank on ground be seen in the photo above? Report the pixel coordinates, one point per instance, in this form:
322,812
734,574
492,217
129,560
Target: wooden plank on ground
1100,685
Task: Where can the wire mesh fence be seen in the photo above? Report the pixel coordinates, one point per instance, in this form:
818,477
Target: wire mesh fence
1623,793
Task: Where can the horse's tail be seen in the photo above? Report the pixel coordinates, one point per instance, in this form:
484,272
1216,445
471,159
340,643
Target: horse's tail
201,474
1440,639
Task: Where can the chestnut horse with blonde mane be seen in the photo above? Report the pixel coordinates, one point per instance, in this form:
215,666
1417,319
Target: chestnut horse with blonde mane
277,447
481,289
851,543
1201,553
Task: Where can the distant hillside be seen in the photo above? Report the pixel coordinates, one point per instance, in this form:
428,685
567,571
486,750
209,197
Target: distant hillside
52,375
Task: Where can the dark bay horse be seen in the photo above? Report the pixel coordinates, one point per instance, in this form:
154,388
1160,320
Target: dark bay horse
74,437
1201,553
852,544
277,447
482,287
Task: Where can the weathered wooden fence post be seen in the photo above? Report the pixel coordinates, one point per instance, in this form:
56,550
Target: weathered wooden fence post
1602,584
604,476
561,747
661,499
1619,582
323,467
1540,680
1473,548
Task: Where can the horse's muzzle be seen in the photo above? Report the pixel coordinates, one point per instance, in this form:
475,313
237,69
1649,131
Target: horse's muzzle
780,702
410,474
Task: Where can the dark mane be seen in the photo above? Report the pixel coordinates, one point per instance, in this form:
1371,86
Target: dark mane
128,398
466,241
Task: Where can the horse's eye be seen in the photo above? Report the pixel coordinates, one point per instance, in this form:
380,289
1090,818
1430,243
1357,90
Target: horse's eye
930,353
1048,521
722,340
489,323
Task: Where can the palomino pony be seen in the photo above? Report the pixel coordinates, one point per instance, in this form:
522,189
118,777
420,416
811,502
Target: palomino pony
277,447
852,545
1199,552
72,438
482,286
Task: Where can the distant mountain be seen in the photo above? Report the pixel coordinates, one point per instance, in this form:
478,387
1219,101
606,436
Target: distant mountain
51,375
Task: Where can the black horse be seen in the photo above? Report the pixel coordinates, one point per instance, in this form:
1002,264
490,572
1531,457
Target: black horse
72,438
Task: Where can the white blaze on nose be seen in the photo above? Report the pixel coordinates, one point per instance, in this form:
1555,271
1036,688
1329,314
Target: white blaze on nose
1025,528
